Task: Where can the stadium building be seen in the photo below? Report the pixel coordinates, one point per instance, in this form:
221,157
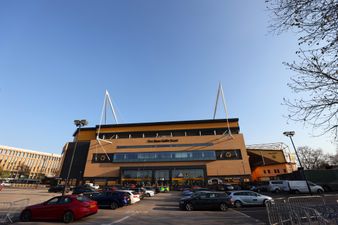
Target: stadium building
173,153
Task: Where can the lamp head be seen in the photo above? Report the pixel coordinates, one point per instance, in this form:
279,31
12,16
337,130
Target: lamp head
81,123
289,133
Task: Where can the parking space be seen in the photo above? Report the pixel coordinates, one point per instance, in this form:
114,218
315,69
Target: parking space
160,209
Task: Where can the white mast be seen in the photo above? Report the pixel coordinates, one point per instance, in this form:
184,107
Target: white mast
221,93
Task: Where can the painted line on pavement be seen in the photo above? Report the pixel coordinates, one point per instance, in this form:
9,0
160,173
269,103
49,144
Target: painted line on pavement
117,221
247,216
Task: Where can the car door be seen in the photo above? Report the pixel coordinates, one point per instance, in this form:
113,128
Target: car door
49,209
100,199
253,198
213,200
200,201
245,197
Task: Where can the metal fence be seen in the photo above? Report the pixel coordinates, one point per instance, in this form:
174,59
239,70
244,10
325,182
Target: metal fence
10,211
313,210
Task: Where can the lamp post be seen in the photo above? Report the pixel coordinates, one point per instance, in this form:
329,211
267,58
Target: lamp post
79,124
290,135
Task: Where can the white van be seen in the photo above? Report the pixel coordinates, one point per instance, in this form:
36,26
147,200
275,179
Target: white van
278,186
299,186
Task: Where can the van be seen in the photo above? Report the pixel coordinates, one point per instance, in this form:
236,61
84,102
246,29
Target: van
300,186
278,186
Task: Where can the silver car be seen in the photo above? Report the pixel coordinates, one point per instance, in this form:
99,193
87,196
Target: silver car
241,198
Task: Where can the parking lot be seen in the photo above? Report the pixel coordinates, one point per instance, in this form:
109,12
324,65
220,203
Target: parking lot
160,209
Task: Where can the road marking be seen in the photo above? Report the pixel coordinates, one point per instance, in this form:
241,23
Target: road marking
249,217
117,221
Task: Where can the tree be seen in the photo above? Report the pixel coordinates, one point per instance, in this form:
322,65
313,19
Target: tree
313,158
316,71
3,173
23,170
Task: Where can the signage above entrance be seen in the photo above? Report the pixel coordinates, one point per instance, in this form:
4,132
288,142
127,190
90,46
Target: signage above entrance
162,141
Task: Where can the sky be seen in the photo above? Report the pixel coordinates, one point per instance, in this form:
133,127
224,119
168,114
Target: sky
159,60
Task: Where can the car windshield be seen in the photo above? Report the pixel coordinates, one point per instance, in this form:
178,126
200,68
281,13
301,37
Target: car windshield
83,199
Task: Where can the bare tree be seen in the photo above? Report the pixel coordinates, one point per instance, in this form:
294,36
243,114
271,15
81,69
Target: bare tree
313,158
23,170
316,70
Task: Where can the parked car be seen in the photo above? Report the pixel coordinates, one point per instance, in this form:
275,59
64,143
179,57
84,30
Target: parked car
189,192
110,199
205,200
278,186
152,189
134,197
5,184
164,189
300,186
58,188
148,192
83,189
246,198
140,191
66,208
91,185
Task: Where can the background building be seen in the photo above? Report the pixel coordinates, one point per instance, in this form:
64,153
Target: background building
267,161
169,153
18,163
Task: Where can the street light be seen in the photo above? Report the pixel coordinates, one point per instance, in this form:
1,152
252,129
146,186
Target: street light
79,124
290,134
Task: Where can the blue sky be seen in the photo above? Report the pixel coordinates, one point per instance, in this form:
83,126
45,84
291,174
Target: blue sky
160,61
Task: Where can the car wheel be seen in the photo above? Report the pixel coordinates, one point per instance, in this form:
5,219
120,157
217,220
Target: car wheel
148,195
26,216
223,207
68,217
114,205
238,204
277,191
296,191
319,191
264,202
189,207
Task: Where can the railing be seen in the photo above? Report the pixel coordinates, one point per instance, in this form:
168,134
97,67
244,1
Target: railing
313,210
10,211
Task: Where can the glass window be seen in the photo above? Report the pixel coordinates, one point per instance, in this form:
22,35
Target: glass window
164,156
193,133
178,133
53,201
207,132
82,198
65,200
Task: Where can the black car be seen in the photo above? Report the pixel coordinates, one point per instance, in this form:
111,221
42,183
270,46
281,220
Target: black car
58,188
205,200
83,189
111,199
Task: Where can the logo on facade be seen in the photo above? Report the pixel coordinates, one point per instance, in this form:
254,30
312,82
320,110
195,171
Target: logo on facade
162,141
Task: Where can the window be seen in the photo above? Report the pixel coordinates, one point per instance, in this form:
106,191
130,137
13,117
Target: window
268,171
164,156
264,171
284,170
53,201
65,200
83,199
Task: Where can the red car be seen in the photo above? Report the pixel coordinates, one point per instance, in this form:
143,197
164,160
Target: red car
66,208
